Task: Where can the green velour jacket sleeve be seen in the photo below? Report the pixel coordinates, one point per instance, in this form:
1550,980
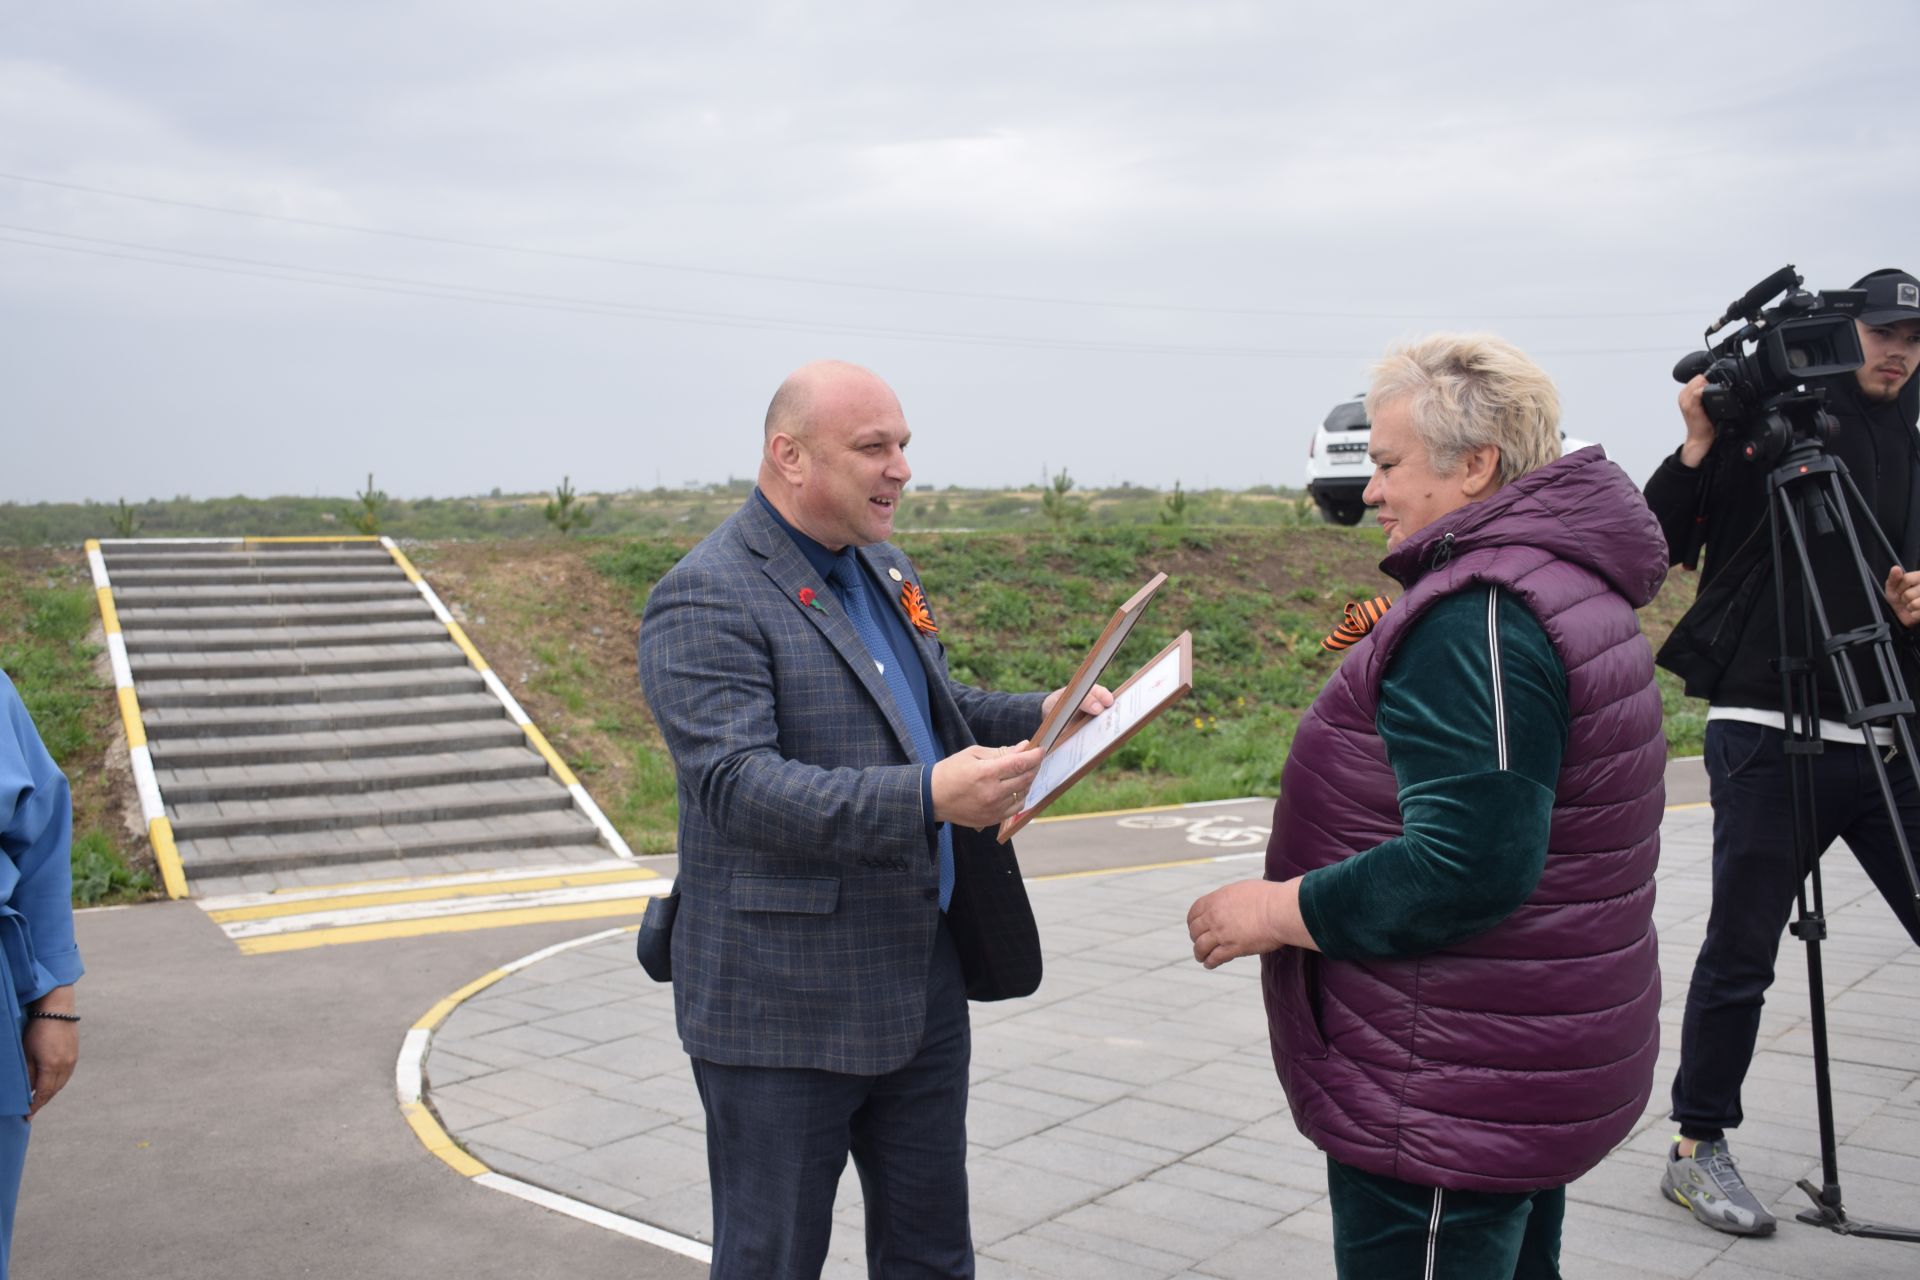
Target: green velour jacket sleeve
1473,711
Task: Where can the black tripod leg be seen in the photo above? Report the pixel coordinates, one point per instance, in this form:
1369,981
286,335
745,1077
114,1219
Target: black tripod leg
1799,697
1792,488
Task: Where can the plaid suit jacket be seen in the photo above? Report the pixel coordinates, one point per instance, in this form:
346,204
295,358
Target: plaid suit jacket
809,892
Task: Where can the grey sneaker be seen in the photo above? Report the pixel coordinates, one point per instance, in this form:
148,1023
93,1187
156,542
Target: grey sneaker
1708,1183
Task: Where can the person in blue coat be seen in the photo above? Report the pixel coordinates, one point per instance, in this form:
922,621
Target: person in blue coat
37,951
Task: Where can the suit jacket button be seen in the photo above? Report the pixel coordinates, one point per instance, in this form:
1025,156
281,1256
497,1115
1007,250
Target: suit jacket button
933,895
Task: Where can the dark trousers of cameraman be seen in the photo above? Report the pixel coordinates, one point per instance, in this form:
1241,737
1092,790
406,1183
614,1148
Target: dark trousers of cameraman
1756,878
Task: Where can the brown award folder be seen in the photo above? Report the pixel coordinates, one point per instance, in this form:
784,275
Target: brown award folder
1076,743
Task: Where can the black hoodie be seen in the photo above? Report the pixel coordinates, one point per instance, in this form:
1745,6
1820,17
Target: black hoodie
1725,645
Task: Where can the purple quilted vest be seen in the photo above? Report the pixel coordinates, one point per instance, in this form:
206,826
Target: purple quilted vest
1516,1059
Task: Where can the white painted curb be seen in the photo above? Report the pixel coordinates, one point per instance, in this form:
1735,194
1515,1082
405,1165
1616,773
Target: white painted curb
410,1088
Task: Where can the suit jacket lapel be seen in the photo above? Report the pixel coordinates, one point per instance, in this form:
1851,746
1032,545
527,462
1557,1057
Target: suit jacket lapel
782,562
946,712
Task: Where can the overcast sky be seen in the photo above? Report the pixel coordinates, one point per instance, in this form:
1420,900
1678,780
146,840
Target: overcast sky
478,244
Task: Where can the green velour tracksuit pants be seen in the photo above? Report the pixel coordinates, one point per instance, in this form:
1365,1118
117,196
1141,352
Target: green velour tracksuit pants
1385,1229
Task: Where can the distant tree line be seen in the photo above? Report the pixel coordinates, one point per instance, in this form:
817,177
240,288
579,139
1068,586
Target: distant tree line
659,512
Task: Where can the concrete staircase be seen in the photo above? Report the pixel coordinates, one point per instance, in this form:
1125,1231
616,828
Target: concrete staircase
305,707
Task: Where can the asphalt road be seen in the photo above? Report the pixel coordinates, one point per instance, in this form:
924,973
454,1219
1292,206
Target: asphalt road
235,1117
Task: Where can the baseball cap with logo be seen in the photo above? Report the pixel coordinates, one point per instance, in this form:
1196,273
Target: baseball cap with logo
1892,296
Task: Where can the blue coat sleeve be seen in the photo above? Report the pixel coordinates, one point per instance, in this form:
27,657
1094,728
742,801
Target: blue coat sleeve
36,839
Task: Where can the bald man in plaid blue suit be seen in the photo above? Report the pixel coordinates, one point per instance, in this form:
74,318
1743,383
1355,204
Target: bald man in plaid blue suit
840,901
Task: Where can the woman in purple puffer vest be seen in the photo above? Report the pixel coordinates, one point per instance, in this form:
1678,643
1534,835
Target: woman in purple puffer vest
1455,928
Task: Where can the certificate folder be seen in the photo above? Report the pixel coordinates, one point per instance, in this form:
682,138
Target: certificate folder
1088,740
1066,708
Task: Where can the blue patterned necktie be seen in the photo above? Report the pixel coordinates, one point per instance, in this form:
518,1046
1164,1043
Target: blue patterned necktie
852,593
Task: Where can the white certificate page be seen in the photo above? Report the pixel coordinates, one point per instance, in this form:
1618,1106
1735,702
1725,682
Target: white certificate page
1134,704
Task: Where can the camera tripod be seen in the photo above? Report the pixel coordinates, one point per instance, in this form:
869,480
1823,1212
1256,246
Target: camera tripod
1809,489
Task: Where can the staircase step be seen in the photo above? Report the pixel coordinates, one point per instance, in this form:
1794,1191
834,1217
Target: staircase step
254,616
241,664
162,555
349,686
385,743
245,855
446,802
213,575
192,639
348,777
229,595
315,717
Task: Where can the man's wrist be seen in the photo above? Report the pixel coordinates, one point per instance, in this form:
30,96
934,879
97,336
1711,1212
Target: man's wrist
1692,454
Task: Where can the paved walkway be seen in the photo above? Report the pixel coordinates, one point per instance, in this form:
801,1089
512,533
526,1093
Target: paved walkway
1126,1123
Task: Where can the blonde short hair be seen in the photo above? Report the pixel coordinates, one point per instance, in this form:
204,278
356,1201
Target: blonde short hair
1465,390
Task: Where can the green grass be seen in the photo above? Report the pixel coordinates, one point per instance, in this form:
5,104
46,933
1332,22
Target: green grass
647,813
101,875
1019,611
50,664
638,564
44,650
1686,718
657,513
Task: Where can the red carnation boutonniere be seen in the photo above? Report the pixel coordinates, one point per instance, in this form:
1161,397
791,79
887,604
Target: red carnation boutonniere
809,599
914,601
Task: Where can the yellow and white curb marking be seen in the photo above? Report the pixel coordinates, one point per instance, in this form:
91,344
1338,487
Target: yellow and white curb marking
410,1085
370,911
581,800
159,829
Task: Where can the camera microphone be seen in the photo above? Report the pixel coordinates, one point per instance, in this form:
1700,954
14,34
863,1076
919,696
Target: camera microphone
1691,366
1749,302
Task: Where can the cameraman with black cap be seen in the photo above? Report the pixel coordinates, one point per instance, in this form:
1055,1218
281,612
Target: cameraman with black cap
1709,497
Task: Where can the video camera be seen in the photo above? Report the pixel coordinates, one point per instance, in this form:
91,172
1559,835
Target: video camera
1756,377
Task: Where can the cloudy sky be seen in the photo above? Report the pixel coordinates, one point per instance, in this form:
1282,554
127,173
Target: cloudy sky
266,248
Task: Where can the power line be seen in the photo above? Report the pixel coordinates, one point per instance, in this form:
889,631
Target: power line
267,270
824,282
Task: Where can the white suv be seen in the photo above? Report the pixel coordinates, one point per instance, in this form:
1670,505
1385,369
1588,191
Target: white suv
1338,467
1337,464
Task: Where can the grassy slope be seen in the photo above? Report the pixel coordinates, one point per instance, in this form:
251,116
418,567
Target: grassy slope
562,636
559,619
46,613
1016,611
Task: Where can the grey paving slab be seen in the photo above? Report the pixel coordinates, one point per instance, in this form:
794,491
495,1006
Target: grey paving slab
251,616
233,817
326,856
509,1140
331,686
383,742
290,660
1284,1246
349,777
189,638
218,722
225,594
159,551
1126,1121
369,570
